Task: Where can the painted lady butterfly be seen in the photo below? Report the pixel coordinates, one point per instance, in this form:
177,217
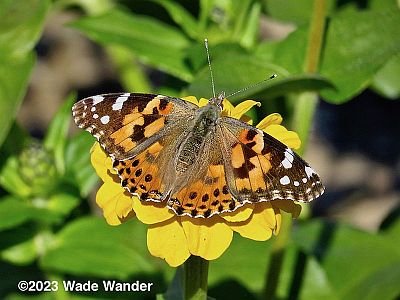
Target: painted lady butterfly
199,162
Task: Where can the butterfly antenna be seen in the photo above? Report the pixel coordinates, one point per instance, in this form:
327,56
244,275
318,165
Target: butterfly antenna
209,66
253,85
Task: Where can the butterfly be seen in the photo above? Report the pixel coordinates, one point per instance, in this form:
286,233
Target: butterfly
194,159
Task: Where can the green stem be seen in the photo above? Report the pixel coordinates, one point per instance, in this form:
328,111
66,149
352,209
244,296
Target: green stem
277,255
303,115
307,101
195,278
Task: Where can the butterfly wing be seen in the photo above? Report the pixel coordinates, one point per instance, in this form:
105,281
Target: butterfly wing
140,132
127,123
260,168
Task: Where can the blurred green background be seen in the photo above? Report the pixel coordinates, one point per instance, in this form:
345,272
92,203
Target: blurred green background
341,97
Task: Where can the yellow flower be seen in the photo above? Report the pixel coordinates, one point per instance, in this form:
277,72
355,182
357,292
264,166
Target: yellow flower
175,238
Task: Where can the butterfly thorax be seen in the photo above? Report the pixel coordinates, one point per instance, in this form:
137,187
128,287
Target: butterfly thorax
203,125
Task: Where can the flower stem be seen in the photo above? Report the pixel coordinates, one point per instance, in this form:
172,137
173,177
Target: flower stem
302,119
195,278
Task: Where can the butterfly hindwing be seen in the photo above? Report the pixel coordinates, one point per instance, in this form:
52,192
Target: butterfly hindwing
261,168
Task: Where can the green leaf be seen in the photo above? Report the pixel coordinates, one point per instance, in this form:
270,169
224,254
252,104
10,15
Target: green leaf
21,254
15,211
316,285
358,44
228,71
154,42
348,256
20,26
79,170
382,285
110,252
14,76
56,136
248,256
182,17
62,204
236,65
386,81
297,11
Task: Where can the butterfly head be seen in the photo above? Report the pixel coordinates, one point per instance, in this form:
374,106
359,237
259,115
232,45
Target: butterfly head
217,101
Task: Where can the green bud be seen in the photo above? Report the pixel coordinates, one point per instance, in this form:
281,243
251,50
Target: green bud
37,169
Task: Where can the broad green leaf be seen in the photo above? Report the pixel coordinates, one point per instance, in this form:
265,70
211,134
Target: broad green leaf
20,26
20,254
152,41
79,170
62,204
229,71
91,7
382,285
316,285
14,76
182,17
358,44
348,256
15,211
298,11
386,81
383,5
232,71
56,136
243,262
110,252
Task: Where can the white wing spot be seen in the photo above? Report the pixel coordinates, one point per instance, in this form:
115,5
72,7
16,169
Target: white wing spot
287,162
284,180
93,108
296,183
83,114
304,180
309,171
97,99
95,116
105,120
119,102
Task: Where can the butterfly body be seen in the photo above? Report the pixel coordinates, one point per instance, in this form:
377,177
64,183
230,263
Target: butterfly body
196,160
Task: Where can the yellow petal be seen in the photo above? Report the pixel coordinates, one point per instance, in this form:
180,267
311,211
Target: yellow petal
116,205
191,99
227,108
101,162
278,218
208,238
274,118
167,240
151,212
203,102
289,138
259,227
243,107
239,215
288,206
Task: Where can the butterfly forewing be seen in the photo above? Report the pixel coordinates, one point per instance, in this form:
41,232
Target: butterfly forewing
127,123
